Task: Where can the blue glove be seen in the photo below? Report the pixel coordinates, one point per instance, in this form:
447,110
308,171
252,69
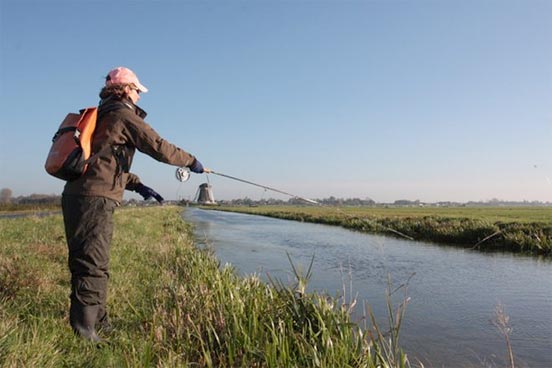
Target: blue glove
197,167
147,193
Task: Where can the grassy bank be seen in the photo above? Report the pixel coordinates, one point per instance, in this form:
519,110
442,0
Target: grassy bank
171,305
524,229
14,207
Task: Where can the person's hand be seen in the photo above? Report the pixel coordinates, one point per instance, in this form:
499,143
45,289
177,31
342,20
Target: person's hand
197,167
147,193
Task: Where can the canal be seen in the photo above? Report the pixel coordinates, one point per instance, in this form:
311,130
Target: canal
453,293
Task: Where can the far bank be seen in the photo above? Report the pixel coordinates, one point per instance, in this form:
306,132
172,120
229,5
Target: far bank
515,229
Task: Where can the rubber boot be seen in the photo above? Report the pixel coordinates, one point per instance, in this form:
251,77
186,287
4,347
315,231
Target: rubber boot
103,322
83,319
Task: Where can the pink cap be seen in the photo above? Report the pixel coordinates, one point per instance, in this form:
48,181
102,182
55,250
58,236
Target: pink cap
122,75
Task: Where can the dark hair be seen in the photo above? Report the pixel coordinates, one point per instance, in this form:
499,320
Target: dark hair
115,90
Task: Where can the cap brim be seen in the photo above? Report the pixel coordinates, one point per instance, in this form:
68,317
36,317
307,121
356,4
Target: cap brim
141,87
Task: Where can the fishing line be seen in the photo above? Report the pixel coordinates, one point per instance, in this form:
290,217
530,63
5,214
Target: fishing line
543,172
178,191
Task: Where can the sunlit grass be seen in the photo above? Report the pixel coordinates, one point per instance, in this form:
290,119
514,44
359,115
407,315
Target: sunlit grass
171,305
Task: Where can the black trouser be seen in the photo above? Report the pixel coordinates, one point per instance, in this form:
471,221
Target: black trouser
89,229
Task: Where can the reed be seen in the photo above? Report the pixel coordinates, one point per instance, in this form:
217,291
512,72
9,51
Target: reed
172,305
502,323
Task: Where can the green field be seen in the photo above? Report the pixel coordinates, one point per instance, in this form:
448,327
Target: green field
172,305
517,229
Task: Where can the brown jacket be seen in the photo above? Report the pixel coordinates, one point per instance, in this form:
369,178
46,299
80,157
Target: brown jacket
121,130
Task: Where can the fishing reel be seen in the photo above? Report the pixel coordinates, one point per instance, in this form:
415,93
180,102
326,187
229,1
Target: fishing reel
182,174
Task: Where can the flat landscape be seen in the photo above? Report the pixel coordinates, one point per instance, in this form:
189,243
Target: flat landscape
517,229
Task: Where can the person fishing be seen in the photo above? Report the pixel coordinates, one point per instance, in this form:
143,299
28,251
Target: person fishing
89,201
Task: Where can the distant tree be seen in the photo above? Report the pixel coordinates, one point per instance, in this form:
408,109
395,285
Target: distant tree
406,202
5,195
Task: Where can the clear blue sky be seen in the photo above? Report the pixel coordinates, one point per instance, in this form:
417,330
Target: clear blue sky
428,100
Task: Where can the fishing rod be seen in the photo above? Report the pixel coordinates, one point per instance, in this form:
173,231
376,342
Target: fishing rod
183,174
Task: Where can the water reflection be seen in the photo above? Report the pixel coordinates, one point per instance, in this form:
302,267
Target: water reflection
453,292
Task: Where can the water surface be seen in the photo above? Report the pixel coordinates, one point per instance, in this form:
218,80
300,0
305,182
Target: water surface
453,292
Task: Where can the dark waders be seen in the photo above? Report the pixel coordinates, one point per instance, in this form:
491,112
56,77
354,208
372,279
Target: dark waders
88,228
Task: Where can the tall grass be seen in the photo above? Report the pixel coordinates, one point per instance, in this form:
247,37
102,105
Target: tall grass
502,323
171,305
